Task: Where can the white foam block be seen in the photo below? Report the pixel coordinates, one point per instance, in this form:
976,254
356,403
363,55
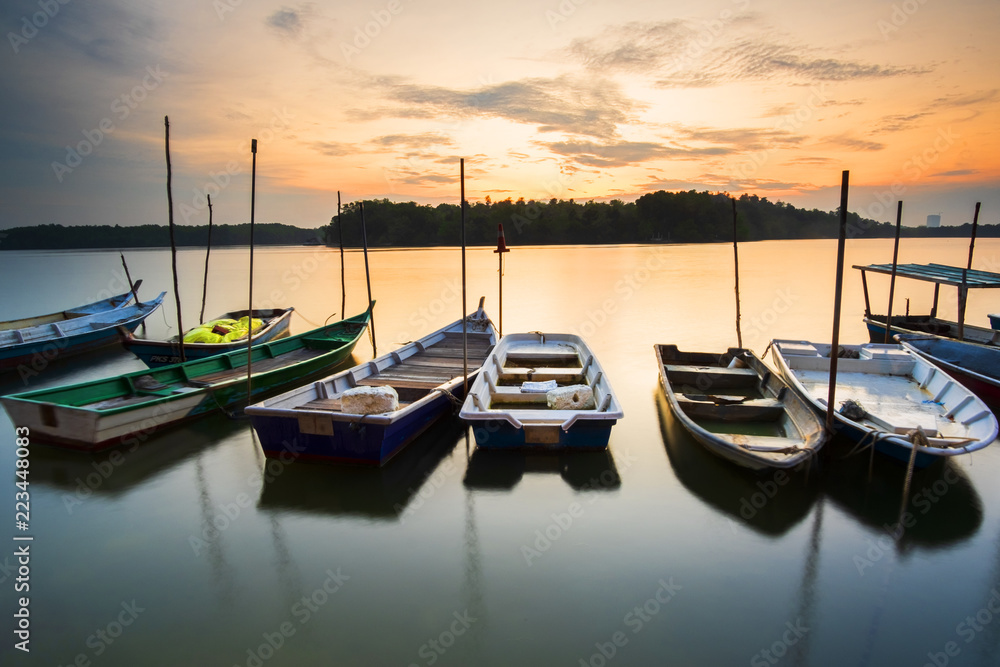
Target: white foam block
573,397
369,400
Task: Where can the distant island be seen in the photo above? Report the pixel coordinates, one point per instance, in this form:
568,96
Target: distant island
657,217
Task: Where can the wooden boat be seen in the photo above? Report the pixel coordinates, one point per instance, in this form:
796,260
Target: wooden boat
962,279
126,409
308,423
975,366
507,412
736,407
155,353
892,392
72,331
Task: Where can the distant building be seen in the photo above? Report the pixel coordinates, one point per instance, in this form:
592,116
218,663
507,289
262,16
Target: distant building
934,220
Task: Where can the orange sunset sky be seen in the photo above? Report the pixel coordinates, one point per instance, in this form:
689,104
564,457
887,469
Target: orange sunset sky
573,99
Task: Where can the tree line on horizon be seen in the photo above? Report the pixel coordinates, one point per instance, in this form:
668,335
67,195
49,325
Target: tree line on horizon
656,217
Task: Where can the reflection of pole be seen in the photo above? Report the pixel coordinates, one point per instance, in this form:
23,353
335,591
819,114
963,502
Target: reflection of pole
892,279
808,590
501,249
835,343
253,200
736,265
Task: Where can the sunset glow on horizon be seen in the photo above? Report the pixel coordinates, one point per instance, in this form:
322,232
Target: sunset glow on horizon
563,99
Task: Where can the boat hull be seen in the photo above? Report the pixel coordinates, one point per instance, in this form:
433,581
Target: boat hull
156,353
582,436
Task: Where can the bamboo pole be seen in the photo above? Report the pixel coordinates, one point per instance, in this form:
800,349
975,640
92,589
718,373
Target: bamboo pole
736,265
501,249
173,243
208,250
975,225
465,332
128,277
838,294
343,279
253,202
892,279
368,279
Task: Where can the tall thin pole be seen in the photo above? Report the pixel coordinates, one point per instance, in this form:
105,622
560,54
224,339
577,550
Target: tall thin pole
208,250
128,277
975,225
368,279
835,343
253,202
892,279
343,279
173,243
465,332
736,265
501,249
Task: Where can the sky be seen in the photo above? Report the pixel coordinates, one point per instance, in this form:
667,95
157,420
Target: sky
581,99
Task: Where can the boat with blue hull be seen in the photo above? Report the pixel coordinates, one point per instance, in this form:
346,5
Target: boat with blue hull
310,423
542,391
156,353
887,394
975,366
74,331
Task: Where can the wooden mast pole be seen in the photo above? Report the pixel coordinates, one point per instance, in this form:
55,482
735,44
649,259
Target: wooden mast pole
368,280
736,266
173,242
253,201
838,294
892,279
343,279
465,332
208,250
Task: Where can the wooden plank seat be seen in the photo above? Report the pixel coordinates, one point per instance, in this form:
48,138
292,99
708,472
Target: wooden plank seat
767,443
258,366
754,409
710,377
544,374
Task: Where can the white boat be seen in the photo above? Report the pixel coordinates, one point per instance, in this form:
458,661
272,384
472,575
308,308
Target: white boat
540,390
887,393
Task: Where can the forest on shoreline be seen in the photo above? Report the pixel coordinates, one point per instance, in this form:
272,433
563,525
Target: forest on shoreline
657,217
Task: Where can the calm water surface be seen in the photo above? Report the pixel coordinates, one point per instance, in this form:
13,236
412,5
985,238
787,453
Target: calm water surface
655,553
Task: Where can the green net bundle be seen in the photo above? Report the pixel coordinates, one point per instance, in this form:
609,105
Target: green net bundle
221,331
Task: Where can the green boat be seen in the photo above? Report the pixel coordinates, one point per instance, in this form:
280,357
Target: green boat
127,409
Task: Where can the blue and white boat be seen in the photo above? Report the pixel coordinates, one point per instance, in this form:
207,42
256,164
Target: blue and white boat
887,393
310,424
73,331
542,391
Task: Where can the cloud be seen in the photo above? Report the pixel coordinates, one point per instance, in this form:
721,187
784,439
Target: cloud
625,153
286,21
853,143
743,138
693,54
333,148
970,99
957,172
423,140
589,106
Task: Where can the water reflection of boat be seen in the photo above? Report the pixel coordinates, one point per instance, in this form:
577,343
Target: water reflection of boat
943,506
119,470
502,470
770,503
374,493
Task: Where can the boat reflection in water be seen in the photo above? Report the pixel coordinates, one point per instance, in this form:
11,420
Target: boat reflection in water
771,503
502,470
381,494
943,508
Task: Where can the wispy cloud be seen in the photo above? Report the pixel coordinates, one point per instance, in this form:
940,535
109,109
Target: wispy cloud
422,140
853,143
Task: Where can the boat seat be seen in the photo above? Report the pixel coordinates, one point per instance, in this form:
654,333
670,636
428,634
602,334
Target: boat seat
754,409
710,377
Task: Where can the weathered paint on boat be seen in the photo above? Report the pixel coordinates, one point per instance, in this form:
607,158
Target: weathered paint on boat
60,335
975,366
899,391
128,408
758,421
308,424
156,353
